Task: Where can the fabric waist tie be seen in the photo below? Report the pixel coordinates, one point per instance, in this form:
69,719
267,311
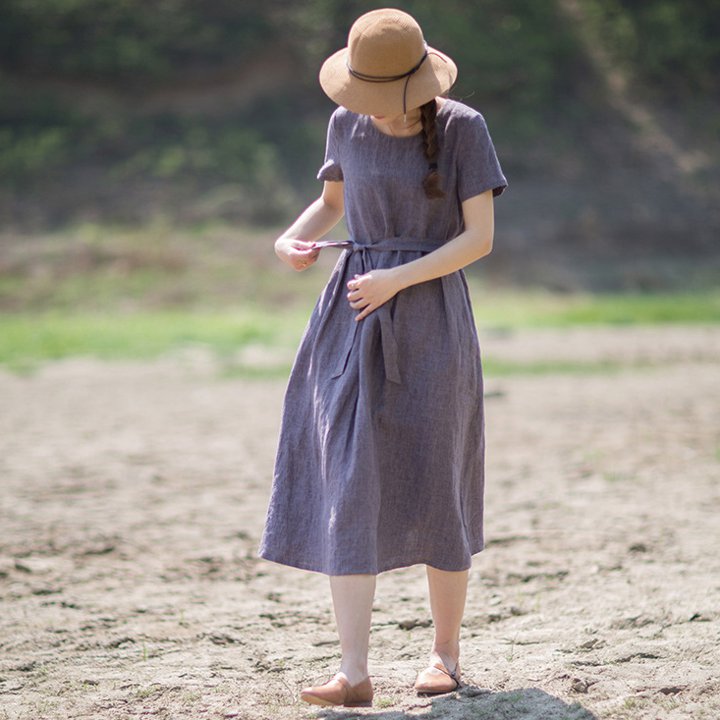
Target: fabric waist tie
387,334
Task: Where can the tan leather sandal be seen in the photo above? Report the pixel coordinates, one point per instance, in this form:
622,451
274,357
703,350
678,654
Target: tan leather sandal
437,679
339,691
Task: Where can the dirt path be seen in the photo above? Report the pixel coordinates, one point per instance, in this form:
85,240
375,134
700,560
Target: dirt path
133,497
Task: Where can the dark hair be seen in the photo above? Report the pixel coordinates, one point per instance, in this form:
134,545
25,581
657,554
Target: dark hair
431,182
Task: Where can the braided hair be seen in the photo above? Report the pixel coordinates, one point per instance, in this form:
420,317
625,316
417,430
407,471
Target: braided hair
431,182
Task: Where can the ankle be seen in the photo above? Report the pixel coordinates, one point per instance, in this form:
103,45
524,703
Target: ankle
354,672
447,646
448,652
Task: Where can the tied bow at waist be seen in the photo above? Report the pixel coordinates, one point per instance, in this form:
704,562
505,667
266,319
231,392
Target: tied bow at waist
387,334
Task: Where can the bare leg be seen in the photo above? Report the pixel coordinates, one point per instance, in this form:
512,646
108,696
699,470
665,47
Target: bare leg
448,591
352,600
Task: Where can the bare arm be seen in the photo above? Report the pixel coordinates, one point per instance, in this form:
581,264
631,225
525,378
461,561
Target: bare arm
367,292
471,245
294,246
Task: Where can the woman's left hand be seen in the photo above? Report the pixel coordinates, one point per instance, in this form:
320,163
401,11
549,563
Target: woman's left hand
369,291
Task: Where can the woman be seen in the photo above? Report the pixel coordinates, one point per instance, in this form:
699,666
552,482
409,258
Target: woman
381,452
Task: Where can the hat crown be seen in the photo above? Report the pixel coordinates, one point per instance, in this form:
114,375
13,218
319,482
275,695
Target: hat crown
385,43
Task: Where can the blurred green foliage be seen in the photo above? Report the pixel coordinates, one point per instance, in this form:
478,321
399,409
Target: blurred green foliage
130,41
674,47
89,88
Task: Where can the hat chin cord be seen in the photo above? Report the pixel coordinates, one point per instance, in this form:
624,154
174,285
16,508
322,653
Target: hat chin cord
393,78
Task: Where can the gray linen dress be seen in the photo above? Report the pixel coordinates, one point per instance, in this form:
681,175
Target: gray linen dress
380,459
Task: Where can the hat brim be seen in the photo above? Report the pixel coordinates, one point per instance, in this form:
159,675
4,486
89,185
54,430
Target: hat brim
436,75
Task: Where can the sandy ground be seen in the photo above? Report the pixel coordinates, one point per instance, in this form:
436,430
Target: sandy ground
133,498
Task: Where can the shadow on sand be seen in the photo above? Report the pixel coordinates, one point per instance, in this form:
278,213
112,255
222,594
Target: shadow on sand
474,703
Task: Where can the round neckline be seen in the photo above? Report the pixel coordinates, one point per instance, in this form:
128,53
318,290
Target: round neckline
404,137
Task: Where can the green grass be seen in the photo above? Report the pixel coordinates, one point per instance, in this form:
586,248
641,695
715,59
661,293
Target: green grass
515,309
124,293
28,338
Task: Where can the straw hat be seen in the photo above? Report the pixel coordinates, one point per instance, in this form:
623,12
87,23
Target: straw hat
387,67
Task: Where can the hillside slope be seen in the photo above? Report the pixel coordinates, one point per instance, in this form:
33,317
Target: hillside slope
604,114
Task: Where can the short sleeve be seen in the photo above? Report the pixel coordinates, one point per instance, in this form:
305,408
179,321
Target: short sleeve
331,168
478,166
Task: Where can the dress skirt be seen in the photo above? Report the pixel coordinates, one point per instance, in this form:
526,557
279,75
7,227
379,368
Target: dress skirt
380,459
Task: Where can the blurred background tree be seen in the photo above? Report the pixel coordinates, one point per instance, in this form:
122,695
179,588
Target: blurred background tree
605,114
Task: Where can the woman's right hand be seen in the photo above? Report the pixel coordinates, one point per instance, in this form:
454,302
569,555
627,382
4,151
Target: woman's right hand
298,254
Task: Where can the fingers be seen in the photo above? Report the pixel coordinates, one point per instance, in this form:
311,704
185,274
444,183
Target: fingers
364,313
303,245
361,303
300,254
355,299
303,259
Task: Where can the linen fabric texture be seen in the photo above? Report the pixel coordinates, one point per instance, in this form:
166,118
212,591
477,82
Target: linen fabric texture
381,451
